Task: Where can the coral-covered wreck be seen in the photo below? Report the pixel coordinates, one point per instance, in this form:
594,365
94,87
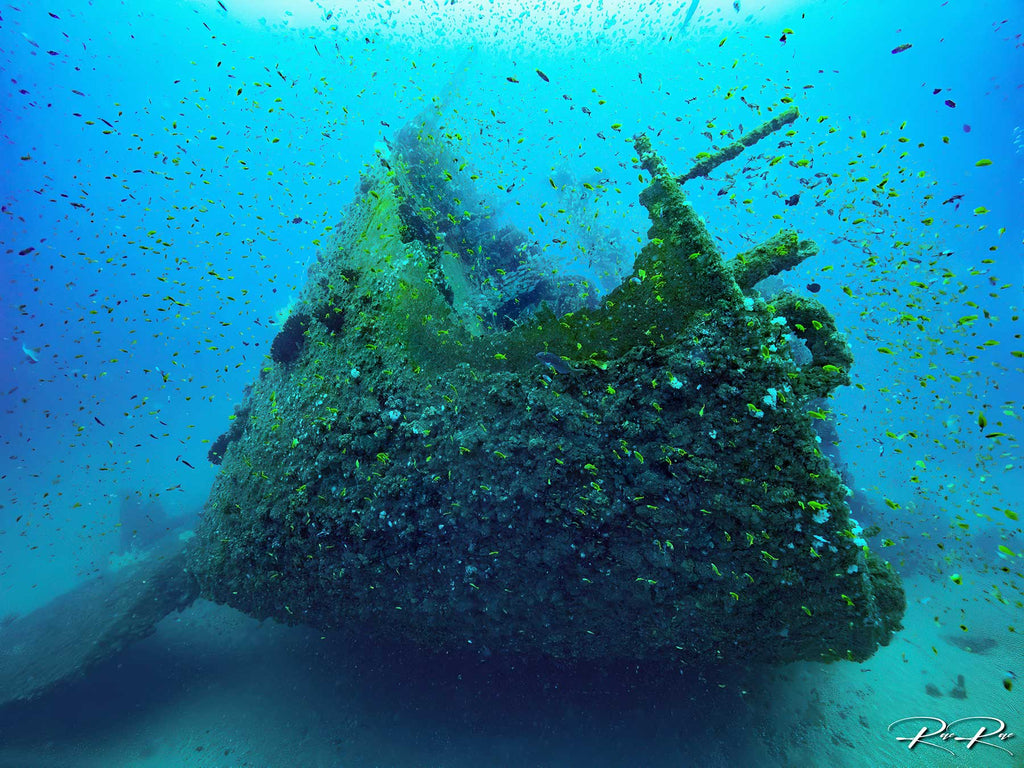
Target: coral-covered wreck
453,443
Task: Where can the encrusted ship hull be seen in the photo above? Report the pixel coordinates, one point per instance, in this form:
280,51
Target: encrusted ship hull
455,446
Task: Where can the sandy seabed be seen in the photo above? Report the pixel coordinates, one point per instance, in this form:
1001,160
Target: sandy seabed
213,688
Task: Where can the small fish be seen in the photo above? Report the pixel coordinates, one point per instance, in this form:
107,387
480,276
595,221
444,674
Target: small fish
511,79
902,47
31,354
950,103
1008,680
224,7
793,199
97,420
542,76
814,287
297,220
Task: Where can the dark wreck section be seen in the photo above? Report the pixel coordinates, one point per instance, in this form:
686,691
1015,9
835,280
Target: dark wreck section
469,448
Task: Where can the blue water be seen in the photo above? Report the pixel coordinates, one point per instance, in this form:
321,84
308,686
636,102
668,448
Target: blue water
168,170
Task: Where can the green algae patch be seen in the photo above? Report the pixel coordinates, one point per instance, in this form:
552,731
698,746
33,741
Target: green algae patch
468,449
